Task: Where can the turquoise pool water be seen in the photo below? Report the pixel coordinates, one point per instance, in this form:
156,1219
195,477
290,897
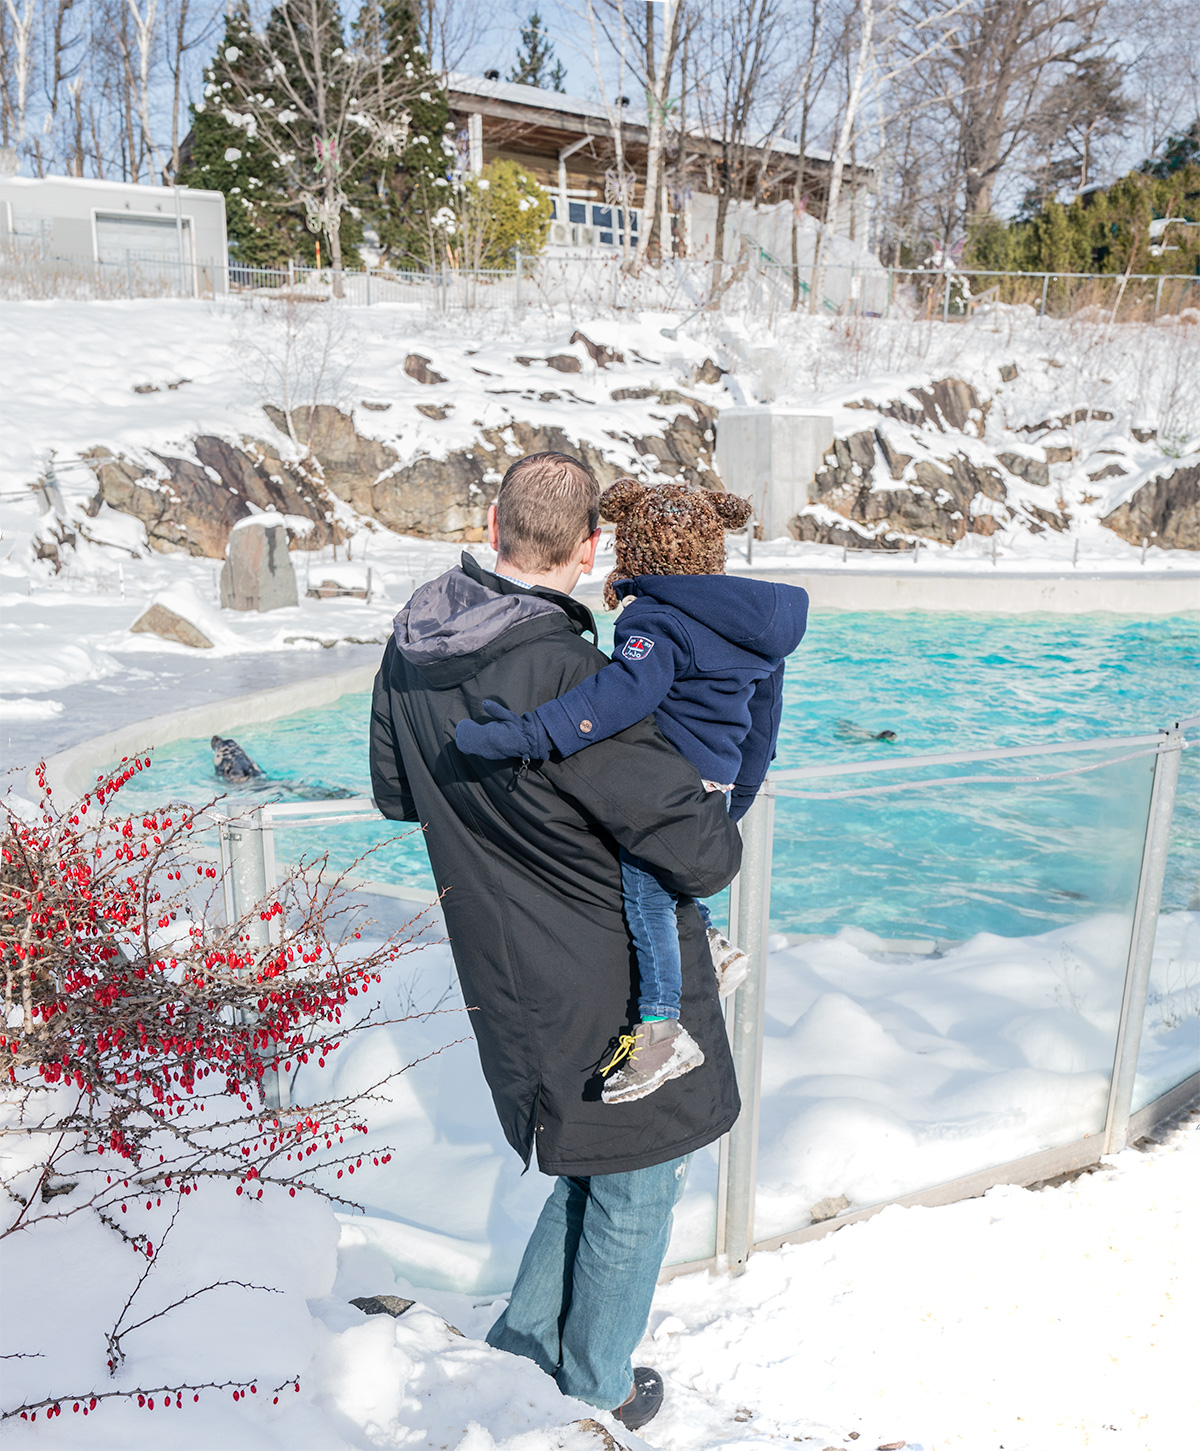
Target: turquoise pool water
1012,859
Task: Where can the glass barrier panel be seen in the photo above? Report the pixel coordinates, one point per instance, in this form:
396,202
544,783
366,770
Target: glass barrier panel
946,976
1170,1045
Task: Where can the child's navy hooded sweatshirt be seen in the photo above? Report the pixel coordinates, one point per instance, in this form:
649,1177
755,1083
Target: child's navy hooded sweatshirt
705,653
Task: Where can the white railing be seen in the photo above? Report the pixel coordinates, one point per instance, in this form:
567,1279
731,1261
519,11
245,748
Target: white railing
248,855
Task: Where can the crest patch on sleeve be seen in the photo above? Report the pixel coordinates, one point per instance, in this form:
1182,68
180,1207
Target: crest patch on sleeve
637,647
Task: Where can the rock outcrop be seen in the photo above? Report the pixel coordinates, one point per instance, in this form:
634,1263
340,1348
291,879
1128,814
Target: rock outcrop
948,405
190,506
1165,510
939,499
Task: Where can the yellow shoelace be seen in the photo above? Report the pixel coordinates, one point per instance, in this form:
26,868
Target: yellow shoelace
627,1048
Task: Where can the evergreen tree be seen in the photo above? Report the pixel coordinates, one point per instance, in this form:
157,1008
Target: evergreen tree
410,190
533,67
1177,152
264,225
1101,231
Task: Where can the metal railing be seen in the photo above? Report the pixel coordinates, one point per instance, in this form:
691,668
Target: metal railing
248,852
600,283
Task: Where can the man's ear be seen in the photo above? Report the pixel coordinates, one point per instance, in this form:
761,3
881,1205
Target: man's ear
732,510
619,499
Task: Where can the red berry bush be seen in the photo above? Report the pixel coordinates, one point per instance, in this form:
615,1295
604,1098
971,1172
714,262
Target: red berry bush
147,1030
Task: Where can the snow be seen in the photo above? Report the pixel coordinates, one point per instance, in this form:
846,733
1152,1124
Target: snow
1034,1321
1046,1320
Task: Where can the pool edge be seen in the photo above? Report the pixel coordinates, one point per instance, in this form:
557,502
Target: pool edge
73,772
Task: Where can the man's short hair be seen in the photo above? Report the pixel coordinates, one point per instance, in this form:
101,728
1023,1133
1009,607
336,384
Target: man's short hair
548,504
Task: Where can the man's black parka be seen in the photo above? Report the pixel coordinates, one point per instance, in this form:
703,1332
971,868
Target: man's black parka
526,857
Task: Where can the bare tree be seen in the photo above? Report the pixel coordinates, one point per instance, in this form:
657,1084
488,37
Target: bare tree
18,55
1159,48
891,41
819,57
451,30
985,85
185,27
744,95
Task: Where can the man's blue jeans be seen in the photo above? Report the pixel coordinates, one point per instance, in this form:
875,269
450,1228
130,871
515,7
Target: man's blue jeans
650,913
582,1297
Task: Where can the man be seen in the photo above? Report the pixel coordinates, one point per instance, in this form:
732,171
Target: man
526,854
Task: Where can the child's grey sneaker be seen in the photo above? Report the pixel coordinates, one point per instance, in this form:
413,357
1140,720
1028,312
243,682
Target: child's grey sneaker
653,1054
731,964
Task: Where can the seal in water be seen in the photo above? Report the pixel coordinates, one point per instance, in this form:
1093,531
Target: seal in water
848,731
231,763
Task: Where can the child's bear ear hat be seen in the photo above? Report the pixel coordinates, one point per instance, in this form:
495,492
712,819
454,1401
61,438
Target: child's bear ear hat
668,529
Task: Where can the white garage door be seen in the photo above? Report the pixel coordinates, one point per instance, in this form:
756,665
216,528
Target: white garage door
148,244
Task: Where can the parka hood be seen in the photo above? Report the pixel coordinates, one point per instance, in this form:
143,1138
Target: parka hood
467,617
753,614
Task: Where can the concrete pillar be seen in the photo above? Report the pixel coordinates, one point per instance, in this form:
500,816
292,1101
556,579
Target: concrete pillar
771,455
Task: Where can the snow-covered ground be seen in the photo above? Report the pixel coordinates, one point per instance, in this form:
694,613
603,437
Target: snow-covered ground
1049,1320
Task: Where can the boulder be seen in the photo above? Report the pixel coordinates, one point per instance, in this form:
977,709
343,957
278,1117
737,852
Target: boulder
1076,415
599,354
1032,470
258,573
165,623
419,371
707,372
564,363
1165,510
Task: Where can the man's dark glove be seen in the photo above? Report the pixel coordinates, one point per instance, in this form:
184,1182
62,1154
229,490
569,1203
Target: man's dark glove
505,736
741,798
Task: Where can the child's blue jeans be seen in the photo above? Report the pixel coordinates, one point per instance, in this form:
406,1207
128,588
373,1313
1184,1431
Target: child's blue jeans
650,912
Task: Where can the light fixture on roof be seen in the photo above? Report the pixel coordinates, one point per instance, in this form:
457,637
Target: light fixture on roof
622,100
491,75
1160,225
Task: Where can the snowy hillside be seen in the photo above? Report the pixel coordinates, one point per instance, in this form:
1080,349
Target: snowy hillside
1071,423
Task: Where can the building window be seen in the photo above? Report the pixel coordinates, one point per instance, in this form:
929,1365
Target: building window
553,210
602,217
576,212
606,238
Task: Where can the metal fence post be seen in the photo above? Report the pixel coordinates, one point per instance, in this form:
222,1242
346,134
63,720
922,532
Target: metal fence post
1045,287
517,299
753,912
247,882
1157,298
1141,939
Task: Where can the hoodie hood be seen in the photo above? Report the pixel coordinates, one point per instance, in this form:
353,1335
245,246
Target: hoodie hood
754,614
466,618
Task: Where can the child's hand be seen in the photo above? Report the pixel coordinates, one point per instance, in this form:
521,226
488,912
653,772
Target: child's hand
508,735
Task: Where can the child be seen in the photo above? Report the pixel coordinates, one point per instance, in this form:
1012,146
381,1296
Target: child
705,653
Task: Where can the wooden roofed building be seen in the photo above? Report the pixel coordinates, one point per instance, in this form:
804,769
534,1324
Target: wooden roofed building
570,146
